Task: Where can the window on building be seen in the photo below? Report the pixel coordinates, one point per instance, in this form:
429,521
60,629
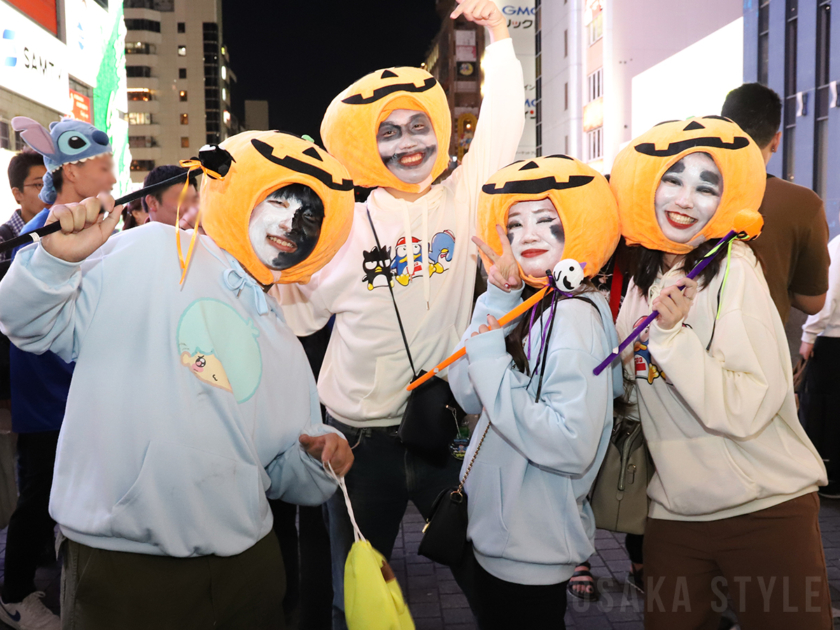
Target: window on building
182,95
538,74
140,48
595,85
182,73
19,143
182,51
566,43
136,24
596,28
763,41
142,142
142,165
595,142
140,94
822,97
140,118
566,145
565,96
182,28
138,71
185,119
5,135
185,142
789,125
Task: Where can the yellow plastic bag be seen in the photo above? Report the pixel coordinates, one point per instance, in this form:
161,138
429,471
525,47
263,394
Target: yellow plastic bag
372,597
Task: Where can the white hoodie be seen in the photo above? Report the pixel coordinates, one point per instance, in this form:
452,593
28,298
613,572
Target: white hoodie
366,369
720,423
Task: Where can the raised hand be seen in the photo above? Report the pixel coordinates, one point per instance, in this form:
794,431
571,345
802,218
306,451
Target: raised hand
504,273
83,228
485,13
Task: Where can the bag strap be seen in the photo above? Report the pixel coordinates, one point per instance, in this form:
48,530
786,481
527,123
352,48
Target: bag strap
472,461
393,299
357,533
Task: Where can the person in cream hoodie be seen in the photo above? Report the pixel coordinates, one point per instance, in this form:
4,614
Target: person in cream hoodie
734,497
391,129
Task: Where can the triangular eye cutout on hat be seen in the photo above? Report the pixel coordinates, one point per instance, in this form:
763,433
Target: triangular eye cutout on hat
530,165
313,153
693,125
387,74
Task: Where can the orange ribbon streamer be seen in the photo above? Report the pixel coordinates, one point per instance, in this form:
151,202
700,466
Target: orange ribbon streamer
191,165
504,321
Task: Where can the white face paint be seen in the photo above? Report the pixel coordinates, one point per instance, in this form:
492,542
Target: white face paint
407,145
284,230
688,197
536,236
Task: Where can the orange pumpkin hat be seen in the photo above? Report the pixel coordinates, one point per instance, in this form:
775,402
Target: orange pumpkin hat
639,167
352,121
581,196
263,162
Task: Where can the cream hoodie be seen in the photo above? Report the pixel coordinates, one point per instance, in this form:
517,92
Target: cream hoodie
721,423
366,369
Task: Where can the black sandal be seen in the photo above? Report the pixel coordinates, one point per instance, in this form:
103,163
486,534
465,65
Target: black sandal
581,581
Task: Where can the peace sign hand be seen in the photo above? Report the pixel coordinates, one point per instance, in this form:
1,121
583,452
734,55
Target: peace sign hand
504,273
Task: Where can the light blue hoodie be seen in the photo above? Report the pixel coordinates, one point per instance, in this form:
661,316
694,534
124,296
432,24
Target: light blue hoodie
529,519
186,404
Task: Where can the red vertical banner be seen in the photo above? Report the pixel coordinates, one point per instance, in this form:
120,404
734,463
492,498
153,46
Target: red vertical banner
81,107
42,11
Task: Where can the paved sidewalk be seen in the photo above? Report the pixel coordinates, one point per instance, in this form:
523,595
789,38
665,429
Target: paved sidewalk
437,603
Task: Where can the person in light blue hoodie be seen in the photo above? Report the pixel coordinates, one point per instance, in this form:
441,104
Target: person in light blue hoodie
546,418
161,492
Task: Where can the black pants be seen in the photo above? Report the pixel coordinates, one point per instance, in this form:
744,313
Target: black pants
819,401
306,555
31,527
505,606
634,544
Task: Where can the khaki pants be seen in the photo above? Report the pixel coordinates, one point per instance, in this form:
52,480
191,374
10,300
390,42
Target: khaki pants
111,590
770,563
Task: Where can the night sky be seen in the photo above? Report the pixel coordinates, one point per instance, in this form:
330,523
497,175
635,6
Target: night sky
299,54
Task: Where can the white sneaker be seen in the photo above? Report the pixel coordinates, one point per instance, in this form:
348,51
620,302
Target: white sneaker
30,614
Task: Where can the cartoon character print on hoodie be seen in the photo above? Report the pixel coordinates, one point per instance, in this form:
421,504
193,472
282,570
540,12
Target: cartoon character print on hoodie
440,254
643,366
377,265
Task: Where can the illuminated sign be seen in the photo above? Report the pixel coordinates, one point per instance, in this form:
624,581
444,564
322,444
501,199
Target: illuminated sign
88,28
670,89
44,13
593,9
593,114
80,107
34,62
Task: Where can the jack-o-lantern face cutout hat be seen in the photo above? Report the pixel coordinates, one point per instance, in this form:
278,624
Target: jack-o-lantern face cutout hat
639,167
352,120
263,162
582,197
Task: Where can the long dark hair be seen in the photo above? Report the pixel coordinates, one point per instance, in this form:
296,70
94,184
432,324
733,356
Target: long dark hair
646,264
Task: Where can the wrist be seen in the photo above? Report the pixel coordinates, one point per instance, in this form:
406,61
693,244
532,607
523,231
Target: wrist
498,31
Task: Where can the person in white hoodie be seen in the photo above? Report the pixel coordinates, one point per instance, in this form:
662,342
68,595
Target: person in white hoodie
734,497
546,418
391,129
161,492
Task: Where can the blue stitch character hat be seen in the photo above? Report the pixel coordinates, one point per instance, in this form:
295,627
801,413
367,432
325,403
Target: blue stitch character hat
67,142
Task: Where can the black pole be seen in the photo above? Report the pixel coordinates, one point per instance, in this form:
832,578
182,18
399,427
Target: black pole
25,239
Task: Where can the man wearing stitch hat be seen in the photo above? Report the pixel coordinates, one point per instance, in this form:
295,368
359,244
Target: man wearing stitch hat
161,497
392,131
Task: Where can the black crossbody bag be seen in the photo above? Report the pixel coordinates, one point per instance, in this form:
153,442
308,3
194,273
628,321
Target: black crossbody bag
432,415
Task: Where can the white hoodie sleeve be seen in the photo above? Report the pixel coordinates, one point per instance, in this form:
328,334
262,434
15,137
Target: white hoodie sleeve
738,387
500,122
829,316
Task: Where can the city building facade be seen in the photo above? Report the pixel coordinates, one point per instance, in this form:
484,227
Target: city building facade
179,80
